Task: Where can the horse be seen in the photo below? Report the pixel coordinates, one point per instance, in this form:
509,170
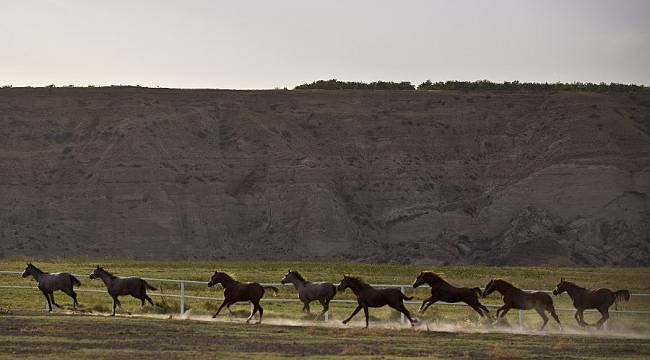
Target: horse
583,299
515,298
117,286
308,292
235,291
441,290
368,296
49,283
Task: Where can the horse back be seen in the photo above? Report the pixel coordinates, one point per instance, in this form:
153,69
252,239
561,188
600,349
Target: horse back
55,281
244,292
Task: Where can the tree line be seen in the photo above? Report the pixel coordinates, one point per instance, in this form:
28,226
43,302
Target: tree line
334,84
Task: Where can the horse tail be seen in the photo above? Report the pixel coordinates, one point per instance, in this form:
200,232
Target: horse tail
621,295
406,297
75,281
478,291
275,290
146,284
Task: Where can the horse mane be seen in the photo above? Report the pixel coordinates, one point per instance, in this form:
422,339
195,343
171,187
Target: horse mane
35,268
358,281
507,284
108,273
574,285
436,277
227,276
298,276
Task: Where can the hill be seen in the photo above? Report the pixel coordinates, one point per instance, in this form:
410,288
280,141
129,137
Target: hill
500,177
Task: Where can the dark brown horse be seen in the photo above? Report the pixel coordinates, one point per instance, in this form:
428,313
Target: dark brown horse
49,283
584,299
117,286
441,290
236,291
308,292
515,298
368,296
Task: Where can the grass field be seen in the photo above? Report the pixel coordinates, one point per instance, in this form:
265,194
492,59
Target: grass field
25,326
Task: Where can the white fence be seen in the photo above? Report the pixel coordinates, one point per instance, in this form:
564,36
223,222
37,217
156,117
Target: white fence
182,296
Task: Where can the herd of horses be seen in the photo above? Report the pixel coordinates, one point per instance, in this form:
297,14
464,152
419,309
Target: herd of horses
367,295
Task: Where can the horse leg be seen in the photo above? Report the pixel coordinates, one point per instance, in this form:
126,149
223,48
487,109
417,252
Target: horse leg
49,303
424,303
326,307
544,317
365,311
605,315
148,299
429,303
115,302
261,311
582,318
253,311
54,303
220,307
477,309
73,295
555,317
353,313
485,310
305,307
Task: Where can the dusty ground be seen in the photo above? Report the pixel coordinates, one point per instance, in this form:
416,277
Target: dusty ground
425,177
31,335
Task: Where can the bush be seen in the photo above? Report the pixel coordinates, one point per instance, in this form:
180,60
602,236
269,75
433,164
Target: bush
517,86
334,84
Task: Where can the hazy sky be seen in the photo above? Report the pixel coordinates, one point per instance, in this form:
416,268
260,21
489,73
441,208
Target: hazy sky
267,44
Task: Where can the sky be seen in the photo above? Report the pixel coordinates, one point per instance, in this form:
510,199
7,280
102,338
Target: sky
264,44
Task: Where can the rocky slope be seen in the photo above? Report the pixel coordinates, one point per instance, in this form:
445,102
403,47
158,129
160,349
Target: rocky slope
431,177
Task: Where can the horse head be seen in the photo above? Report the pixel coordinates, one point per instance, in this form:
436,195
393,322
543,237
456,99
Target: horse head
96,273
27,272
287,278
560,288
419,280
345,283
217,278
489,288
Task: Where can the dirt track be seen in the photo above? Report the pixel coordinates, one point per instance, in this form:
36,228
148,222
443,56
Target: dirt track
31,335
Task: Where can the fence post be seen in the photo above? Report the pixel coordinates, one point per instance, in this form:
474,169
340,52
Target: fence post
521,319
401,315
182,298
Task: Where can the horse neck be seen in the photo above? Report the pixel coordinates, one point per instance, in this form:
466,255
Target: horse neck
106,277
229,282
435,282
506,288
36,273
575,291
358,286
298,284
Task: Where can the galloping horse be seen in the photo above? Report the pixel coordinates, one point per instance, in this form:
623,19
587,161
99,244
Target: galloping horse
308,292
236,291
441,290
117,286
515,298
583,299
49,283
368,296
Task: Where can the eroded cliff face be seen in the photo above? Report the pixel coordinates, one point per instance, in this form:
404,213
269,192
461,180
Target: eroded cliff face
431,177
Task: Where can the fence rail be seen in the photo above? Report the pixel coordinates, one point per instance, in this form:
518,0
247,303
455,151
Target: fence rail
182,296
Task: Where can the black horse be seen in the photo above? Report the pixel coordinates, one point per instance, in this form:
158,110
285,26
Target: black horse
368,296
584,299
49,283
117,286
441,290
236,291
515,298
308,292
